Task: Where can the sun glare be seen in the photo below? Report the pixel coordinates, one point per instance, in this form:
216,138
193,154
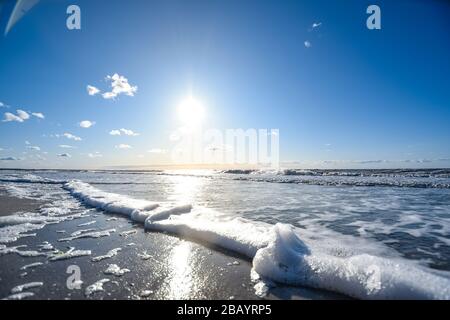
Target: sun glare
191,112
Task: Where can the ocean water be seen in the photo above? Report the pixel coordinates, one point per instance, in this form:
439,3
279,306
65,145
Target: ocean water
362,233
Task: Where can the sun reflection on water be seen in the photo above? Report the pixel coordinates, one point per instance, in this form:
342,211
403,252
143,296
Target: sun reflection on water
185,189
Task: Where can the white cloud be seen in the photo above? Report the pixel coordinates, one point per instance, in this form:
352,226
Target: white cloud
1,149
2,105
129,132
23,115
119,85
86,124
123,146
27,142
71,136
36,148
109,95
308,44
316,25
66,146
123,131
92,91
11,117
157,150
10,159
115,132
38,115
64,155
95,155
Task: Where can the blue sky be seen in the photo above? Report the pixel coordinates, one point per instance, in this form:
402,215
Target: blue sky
354,98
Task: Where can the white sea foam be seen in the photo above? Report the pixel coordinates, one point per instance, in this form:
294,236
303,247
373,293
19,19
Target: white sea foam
96,287
92,234
26,286
23,253
279,254
29,178
288,260
71,253
128,233
144,255
31,265
24,218
87,223
19,296
46,246
114,269
110,202
145,293
12,233
110,254
239,235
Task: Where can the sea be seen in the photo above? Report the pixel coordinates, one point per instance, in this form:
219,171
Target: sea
369,234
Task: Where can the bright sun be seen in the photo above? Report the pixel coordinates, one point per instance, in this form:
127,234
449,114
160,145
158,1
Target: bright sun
191,112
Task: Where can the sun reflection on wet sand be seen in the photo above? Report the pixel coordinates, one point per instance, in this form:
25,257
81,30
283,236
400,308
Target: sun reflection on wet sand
180,283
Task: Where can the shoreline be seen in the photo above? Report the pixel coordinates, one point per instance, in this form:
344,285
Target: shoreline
173,268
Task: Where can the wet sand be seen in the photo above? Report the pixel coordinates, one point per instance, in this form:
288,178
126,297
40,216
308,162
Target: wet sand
176,268
10,205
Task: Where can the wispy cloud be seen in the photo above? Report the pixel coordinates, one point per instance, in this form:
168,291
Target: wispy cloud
123,146
92,91
115,132
123,131
66,146
64,155
71,136
3,105
86,124
95,155
316,25
307,44
36,148
38,115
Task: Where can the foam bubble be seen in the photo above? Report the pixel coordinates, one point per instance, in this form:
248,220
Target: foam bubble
31,265
115,270
110,254
26,286
71,253
92,234
19,296
95,287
